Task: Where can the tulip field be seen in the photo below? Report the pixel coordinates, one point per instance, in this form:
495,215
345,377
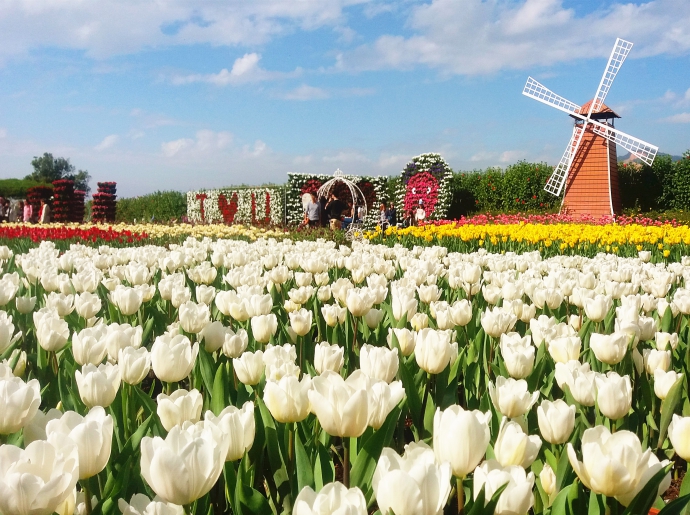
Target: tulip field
482,369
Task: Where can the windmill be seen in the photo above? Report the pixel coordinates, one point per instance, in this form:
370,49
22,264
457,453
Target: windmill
589,167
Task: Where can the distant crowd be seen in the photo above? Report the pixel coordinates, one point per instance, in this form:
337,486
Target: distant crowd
22,211
337,214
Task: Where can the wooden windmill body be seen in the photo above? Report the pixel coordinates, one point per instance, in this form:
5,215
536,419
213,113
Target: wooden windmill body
588,169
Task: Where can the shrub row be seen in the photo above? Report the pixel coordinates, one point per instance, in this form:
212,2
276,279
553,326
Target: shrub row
664,186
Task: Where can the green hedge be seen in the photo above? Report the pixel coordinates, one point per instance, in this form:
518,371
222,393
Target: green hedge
16,188
520,187
162,206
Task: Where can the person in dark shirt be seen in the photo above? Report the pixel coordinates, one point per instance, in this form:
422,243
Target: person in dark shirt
392,215
335,207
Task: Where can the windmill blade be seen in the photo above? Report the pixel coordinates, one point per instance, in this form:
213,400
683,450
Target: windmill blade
620,51
537,91
557,180
641,149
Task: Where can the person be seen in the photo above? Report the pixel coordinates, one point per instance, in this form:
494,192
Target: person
334,207
28,211
348,217
3,210
44,213
383,217
312,213
392,215
15,212
408,221
323,219
420,214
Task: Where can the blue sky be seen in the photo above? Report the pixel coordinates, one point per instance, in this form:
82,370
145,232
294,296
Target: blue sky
186,95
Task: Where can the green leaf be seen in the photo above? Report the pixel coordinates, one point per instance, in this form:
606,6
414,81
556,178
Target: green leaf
275,456
668,407
560,503
564,470
305,476
644,500
676,506
324,470
218,395
597,504
414,401
368,456
478,504
206,367
491,505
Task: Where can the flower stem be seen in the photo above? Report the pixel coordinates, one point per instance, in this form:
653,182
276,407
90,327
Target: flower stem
346,462
87,498
461,496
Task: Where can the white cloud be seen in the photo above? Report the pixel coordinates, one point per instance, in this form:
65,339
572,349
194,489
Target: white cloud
678,118
306,92
303,160
393,160
474,37
116,27
350,156
257,150
511,156
482,156
108,142
3,133
245,69
206,142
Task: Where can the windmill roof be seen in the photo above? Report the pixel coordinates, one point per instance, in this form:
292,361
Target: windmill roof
604,110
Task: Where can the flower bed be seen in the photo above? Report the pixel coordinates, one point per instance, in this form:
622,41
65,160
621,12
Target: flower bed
217,376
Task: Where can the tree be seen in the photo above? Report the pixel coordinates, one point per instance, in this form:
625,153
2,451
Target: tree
48,169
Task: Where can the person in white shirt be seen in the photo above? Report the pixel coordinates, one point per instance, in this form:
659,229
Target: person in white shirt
420,214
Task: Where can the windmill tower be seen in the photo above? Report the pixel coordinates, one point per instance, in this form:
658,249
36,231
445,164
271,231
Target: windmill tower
589,167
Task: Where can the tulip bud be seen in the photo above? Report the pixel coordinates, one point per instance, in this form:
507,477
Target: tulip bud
664,340
510,397
401,483
609,348
200,449
378,362
328,357
406,340
287,399
92,434
548,480
556,421
434,350
87,304
565,348
194,317
514,447
127,300
52,332
89,345
332,498
340,405
518,355
120,336
205,294
491,476
19,402
263,327
239,425
497,321
663,381
135,364
656,359
173,357
98,385
249,367
464,454
419,321
300,321
614,395
25,304
597,308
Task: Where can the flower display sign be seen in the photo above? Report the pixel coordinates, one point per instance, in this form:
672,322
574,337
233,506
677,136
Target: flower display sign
253,206
426,178
373,189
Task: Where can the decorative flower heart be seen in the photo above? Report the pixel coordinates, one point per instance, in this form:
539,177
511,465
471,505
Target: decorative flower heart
228,209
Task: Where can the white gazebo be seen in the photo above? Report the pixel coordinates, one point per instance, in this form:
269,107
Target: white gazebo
359,203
